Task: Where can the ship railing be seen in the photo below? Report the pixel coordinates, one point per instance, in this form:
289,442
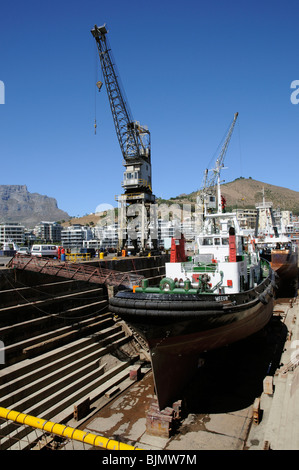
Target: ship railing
200,267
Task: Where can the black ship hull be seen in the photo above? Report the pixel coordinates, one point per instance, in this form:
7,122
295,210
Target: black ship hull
180,327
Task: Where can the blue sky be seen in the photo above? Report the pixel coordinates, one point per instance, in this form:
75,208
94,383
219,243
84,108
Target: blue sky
186,68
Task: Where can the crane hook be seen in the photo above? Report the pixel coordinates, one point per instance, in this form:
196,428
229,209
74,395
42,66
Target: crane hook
99,85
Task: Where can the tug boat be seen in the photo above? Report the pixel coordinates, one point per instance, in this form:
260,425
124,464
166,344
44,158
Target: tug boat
282,255
275,247
221,294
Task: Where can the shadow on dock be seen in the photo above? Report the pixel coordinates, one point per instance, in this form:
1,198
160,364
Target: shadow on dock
232,377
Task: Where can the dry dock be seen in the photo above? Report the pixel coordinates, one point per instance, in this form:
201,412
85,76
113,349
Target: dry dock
63,347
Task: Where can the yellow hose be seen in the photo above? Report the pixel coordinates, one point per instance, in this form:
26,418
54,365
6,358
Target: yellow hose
64,431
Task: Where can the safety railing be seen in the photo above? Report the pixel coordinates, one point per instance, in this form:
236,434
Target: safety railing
61,430
74,257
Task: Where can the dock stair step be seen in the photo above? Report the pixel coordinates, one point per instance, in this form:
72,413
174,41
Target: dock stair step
63,409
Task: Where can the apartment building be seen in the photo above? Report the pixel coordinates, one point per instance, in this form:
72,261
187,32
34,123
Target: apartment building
73,237
12,232
48,232
246,218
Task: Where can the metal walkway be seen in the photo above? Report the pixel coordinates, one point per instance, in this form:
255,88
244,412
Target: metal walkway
81,272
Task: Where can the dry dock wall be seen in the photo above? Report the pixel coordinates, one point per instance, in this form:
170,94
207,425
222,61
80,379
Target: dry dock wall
151,267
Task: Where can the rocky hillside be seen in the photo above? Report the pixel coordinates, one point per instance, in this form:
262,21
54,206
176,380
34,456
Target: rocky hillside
246,193
17,204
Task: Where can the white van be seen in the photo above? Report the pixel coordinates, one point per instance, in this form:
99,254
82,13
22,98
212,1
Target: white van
50,251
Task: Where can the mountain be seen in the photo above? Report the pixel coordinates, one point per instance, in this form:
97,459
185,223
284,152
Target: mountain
246,193
17,204
240,193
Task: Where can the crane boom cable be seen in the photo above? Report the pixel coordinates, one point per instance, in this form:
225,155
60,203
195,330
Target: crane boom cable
95,93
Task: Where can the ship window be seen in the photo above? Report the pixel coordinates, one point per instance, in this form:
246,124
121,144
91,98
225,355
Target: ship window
225,241
208,241
217,241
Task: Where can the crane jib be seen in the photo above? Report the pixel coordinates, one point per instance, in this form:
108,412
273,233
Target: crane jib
134,139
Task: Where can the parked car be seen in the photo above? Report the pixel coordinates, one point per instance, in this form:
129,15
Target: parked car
50,251
24,250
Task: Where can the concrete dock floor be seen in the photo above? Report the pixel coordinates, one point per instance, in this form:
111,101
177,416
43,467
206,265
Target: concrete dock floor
125,420
279,426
